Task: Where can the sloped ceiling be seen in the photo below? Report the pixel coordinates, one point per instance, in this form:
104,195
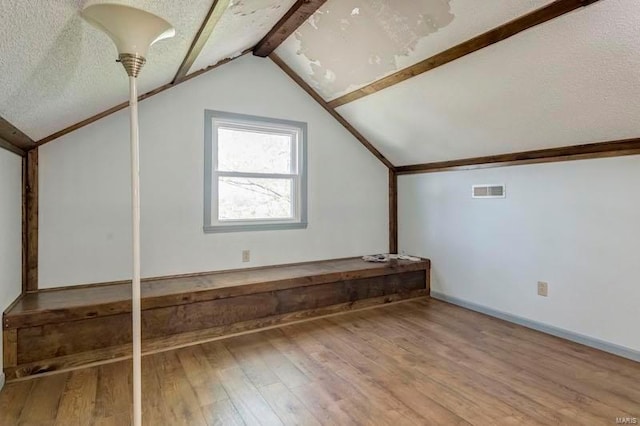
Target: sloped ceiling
58,70
348,44
572,80
240,28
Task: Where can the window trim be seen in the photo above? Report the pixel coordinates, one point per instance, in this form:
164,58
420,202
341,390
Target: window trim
210,189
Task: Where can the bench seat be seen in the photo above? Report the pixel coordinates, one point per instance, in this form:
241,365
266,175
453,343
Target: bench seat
64,328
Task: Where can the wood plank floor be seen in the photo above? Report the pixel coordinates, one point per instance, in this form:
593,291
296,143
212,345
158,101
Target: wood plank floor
419,362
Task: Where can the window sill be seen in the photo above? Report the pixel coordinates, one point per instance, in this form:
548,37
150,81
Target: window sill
254,227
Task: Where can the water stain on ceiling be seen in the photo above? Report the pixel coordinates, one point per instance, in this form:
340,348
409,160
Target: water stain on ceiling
350,43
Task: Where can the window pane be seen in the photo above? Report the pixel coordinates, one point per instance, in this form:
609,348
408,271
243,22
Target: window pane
254,198
246,151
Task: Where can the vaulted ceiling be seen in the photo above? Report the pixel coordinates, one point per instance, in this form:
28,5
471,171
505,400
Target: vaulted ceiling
58,70
350,43
571,80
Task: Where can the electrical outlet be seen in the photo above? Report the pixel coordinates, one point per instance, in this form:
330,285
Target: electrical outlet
246,255
543,289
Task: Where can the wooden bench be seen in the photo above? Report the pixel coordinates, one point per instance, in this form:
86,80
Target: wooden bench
58,329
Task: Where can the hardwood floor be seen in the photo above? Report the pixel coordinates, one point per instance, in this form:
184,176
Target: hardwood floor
418,362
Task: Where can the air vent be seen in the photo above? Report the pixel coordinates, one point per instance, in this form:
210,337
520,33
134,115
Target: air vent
488,191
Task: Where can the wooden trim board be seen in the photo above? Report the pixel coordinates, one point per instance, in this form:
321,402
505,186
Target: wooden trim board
204,32
295,16
393,211
539,16
14,140
31,210
295,77
25,228
551,155
12,148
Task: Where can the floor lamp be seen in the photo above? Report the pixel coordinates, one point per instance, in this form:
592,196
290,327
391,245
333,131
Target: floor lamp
133,31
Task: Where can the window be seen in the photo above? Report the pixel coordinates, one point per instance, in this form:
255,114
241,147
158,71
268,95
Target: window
255,173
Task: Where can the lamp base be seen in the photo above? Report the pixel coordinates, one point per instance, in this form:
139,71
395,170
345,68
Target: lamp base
132,63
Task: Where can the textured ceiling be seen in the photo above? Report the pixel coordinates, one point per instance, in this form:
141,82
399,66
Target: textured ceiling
241,27
347,44
572,80
569,81
57,69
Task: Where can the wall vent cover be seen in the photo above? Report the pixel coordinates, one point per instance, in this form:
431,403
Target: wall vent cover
488,191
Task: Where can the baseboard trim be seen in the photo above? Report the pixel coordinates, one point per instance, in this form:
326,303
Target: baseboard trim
554,331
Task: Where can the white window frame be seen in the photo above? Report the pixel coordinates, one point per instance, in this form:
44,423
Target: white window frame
297,130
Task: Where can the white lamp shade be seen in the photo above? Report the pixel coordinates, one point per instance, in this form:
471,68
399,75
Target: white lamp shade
132,30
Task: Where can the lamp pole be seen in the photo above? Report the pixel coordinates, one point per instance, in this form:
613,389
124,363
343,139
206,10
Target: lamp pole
135,227
133,31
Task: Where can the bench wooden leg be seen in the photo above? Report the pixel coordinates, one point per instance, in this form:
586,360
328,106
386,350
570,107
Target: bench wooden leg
10,347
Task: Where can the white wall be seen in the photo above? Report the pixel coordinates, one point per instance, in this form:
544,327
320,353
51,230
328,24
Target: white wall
575,225
84,186
10,231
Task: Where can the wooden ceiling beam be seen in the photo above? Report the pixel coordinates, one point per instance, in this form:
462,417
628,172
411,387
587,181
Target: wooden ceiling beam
204,32
566,153
296,16
12,139
12,148
295,77
123,105
539,16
